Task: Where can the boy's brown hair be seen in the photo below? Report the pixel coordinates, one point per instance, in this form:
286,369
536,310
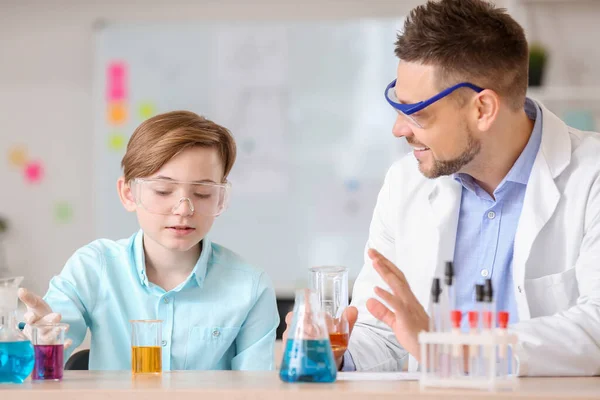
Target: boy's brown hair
468,40
162,137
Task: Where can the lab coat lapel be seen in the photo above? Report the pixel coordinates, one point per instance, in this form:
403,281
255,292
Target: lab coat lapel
541,198
444,202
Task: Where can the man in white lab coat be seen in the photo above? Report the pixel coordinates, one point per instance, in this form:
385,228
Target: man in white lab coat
496,183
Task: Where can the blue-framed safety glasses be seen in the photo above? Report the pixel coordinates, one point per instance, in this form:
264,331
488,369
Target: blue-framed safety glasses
408,110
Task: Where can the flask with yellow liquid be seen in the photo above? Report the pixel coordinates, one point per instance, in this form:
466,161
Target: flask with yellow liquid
146,350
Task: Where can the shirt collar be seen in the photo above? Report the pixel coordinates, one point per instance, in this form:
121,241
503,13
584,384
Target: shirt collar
198,274
521,169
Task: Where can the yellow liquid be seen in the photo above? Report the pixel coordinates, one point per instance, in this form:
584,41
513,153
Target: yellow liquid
146,359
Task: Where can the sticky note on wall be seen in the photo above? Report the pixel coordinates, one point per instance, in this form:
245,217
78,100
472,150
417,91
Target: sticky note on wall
147,110
117,113
17,156
116,81
117,141
352,185
34,172
63,212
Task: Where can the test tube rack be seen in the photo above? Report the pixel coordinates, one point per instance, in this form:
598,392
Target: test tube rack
491,363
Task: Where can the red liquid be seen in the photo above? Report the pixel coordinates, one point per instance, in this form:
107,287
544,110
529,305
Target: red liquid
48,362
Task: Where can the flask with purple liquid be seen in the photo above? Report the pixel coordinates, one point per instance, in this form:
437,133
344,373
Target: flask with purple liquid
49,347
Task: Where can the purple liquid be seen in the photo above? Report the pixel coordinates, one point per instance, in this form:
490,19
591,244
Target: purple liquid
48,362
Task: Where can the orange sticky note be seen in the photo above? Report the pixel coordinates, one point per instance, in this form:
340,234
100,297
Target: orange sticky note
17,156
117,113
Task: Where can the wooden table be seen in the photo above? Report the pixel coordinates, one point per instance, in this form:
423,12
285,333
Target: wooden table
197,385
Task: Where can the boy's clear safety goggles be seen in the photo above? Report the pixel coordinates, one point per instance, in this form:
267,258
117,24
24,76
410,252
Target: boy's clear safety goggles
164,196
408,110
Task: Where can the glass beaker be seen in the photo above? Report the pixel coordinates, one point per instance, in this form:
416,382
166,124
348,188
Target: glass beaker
16,351
307,356
331,286
146,349
49,347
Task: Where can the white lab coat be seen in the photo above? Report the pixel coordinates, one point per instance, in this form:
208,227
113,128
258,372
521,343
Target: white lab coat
556,263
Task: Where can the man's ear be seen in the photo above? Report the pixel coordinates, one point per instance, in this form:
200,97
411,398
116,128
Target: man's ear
126,195
488,106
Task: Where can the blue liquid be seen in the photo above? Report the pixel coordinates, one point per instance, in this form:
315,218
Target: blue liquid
16,361
308,361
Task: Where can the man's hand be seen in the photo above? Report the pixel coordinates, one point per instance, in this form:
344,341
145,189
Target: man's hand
38,311
351,314
407,317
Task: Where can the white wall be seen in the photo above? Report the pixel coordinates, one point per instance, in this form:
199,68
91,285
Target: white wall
46,55
46,50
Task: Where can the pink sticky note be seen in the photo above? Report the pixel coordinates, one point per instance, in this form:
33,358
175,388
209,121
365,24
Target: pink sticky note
116,81
34,172
116,71
116,93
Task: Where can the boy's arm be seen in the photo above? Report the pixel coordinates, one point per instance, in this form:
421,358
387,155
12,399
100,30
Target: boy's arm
73,293
256,340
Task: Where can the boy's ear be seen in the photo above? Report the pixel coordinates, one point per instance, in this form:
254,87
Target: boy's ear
126,195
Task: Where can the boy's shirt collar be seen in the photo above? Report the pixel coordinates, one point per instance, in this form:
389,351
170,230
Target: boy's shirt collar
198,274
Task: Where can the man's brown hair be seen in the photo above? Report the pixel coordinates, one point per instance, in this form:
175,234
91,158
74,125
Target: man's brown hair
162,137
468,40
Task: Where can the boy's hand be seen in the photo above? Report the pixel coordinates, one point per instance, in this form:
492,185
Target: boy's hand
38,311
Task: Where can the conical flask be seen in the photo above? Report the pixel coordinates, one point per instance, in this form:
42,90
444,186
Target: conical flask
16,351
307,356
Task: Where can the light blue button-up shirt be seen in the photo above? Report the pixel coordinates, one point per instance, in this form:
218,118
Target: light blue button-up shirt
223,316
486,229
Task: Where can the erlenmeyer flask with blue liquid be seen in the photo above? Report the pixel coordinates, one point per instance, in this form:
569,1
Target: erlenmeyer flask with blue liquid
308,356
16,351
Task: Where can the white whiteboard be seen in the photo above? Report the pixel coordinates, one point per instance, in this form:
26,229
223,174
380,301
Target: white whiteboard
305,103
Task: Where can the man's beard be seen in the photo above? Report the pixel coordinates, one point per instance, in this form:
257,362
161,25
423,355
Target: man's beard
449,167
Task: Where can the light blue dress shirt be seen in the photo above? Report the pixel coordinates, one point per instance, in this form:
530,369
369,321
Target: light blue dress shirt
486,232
487,226
223,316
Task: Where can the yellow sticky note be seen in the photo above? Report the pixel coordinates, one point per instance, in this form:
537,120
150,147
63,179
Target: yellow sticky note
117,113
17,156
147,110
116,141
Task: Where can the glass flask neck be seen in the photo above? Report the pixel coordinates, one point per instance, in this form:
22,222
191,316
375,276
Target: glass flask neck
8,319
9,331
